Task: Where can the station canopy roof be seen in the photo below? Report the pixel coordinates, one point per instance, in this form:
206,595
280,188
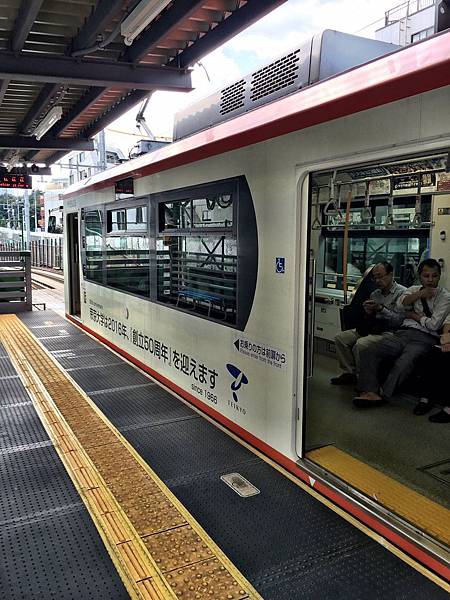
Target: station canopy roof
77,65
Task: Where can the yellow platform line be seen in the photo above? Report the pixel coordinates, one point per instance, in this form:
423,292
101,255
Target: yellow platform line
158,548
420,511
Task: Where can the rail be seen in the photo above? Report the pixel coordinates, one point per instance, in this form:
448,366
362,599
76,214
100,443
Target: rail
15,281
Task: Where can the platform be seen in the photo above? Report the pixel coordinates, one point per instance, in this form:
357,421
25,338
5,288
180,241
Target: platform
111,488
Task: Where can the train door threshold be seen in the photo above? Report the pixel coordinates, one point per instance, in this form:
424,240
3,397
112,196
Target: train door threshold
374,497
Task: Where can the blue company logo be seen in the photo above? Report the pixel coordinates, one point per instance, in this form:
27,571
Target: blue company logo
239,379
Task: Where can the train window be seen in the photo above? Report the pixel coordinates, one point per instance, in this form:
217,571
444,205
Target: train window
175,215
127,263
197,250
93,234
213,211
199,273
127,219
404,253
127,250
183,248
209,211
116,220
386,211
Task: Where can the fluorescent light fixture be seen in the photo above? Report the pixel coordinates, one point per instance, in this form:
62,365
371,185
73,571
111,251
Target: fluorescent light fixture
48,121
140,17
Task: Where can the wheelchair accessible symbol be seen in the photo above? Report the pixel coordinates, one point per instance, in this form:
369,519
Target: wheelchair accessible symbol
280,263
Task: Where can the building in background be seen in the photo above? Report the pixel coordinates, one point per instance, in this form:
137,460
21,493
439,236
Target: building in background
82,165
409,22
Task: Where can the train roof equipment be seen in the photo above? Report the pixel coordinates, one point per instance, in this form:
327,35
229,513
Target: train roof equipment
322,56
413,70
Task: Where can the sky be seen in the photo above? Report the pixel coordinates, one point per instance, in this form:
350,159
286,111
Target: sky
282,29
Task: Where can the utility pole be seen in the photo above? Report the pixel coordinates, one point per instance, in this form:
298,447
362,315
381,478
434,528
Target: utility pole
26,219
102,149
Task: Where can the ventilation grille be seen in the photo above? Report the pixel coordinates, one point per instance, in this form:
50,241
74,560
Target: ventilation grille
232,97
276,76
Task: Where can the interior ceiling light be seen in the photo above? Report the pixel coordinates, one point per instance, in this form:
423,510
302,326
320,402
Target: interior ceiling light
48,121
140,17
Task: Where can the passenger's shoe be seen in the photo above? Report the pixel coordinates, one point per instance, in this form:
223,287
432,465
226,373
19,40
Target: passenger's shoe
368,400
421,408
440,417
364,403
344,379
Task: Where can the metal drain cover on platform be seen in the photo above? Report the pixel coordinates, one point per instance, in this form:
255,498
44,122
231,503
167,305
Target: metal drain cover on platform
240,485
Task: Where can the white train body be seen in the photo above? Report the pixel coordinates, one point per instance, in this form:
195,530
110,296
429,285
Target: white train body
272,350
276,172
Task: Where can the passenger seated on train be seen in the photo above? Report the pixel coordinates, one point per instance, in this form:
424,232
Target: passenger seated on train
433,385
353,269
381,314
427,307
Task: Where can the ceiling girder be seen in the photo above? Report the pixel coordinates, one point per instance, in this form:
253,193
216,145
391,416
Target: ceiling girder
3,87
39,106
180,10
229,27
97,23
27,15
89,98
51,69
106,119
24,142
125,82
113,113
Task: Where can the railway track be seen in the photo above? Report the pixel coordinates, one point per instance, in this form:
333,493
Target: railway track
48,290
42,279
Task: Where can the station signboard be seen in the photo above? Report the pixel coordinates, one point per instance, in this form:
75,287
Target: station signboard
18,181
124,186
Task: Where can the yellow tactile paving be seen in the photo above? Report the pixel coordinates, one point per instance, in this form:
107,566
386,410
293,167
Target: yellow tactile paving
159,550
425,514
177,548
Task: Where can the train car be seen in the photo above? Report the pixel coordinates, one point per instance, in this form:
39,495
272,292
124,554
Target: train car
220,264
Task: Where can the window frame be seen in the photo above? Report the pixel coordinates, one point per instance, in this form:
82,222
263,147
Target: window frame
246,260
417,36
127,206
190,194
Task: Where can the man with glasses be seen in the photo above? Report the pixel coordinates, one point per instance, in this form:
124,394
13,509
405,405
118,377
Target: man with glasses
427,307
381,314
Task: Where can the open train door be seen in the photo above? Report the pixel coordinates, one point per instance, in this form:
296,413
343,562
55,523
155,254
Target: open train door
73,261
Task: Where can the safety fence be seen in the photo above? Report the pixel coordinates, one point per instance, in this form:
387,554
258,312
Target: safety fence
45,252
15,281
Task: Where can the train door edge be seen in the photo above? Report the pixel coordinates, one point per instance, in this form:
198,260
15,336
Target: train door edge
304,333
73,264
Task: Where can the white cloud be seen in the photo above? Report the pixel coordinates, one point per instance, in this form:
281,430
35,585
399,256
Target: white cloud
297,20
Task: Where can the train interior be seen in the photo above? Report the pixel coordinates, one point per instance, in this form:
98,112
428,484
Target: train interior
389,211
